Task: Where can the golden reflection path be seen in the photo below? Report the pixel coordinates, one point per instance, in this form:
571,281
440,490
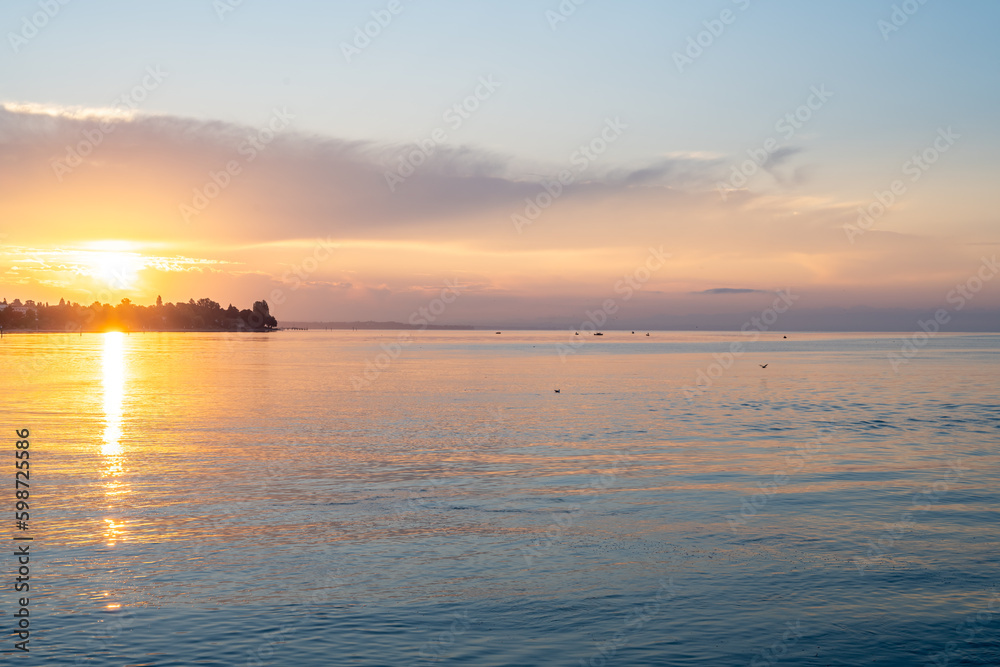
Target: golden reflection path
113,376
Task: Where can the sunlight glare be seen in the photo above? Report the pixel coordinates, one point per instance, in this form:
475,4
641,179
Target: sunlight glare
116,268
114,391
113,371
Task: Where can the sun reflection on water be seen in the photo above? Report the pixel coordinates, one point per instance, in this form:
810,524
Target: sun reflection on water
113,375
114,391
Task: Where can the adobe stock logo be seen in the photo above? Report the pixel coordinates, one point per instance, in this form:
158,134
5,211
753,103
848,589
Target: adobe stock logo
92,138
249,149
787,125
421,318
30,27
627,287
581,159
714,28
565,9
455,116
752,328
958,297
915,167
899,17
363,35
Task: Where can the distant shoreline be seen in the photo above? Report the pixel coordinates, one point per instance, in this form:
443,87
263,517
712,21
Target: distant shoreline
385,326
340,326
77,332
399,326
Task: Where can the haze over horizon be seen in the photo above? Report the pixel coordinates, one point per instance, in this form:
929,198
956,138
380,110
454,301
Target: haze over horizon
538,159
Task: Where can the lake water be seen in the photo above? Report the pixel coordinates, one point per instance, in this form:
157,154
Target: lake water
255,499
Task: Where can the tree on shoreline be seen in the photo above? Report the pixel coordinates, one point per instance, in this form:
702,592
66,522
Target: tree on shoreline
204,314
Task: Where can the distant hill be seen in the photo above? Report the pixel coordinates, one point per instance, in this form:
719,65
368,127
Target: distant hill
374,325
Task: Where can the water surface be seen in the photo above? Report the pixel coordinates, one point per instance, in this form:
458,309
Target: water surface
245,499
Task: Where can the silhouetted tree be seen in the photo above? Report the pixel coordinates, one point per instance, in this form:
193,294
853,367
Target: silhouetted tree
202,314
263,313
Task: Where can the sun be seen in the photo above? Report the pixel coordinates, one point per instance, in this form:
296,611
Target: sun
120,270
113,263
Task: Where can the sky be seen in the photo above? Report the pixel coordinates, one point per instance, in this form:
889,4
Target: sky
670,164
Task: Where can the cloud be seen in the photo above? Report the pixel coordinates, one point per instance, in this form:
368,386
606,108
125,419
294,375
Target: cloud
781,157
686,171
295,183
451,218
733,290
75,112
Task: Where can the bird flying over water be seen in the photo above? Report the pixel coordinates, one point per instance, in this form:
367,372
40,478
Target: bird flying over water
762,365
